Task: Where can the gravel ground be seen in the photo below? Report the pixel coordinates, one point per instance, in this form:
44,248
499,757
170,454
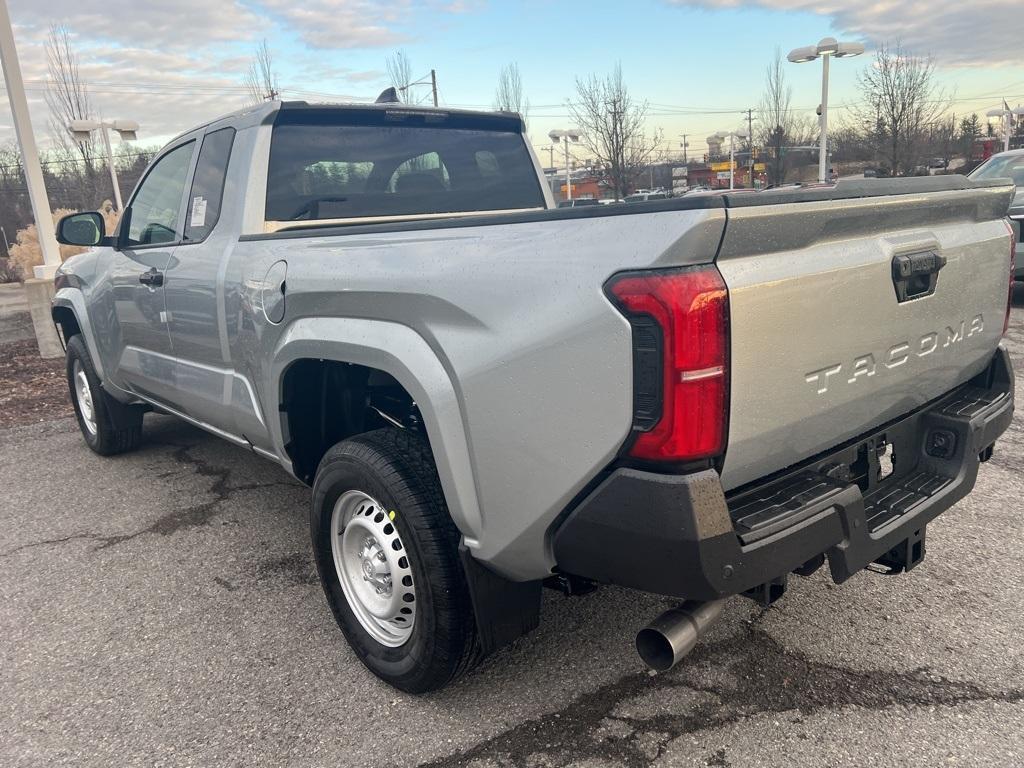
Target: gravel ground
162,608
31,389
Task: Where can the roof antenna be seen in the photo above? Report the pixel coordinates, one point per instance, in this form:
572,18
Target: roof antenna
388,96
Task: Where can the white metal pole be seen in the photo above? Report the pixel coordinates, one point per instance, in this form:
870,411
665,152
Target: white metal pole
29,151
732,162
110,164
823,149
568,180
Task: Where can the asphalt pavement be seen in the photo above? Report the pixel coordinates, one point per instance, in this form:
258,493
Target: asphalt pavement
162,608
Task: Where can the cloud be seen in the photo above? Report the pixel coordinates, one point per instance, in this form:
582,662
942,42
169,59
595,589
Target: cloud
172,64
329,24
954,32
159,25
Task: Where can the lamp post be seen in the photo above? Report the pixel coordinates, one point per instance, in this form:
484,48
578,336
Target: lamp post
824,49
732,136
1004,116
80,130
565,135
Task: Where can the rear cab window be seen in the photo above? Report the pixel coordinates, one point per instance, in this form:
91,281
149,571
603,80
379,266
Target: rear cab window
206,195
343,165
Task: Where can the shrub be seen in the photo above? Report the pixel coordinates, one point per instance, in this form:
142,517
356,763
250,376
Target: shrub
26,252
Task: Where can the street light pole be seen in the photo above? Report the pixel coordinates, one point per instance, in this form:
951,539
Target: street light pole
823,139
1004,116
29,152
568,176
732,136
564,135
110,166
826,48
732,160
80,130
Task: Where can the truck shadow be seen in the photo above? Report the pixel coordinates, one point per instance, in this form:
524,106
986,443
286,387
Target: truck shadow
578,667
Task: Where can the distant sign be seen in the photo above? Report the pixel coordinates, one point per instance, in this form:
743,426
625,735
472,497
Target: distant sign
758,167
680,172
723,175
720,166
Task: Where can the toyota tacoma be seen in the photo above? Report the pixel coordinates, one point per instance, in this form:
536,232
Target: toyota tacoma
695,397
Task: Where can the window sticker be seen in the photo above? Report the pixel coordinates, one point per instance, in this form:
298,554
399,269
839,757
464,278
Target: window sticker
198,212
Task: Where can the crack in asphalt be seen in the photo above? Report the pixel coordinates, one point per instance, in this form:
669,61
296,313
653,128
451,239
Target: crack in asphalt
194,516
763,677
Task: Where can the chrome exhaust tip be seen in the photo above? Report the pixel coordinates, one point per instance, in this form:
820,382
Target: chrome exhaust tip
669,638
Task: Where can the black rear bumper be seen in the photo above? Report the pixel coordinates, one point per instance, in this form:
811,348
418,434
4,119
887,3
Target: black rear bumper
681,535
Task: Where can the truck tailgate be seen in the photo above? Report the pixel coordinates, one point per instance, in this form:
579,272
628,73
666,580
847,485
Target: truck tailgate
830,339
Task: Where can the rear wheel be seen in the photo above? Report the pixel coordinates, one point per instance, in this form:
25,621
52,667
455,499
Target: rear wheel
108,426
387,553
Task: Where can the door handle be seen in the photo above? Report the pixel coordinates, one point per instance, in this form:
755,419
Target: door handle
153,278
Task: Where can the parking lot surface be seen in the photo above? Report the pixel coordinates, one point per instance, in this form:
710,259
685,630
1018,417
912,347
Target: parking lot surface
162,608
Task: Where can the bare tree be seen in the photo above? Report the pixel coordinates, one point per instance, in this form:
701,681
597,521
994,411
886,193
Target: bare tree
400,73
66,95
612,124
777,124
901,100
509,95
261,79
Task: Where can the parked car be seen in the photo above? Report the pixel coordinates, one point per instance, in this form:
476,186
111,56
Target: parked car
1008,165
643,197
580,202
692,397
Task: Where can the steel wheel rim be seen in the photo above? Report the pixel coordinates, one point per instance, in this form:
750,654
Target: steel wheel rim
83,394
373,568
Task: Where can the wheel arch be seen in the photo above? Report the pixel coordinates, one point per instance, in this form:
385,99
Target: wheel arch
70,316
400,353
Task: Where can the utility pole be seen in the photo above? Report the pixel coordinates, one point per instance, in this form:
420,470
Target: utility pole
750,143
551,154
685,145
433,85
29,152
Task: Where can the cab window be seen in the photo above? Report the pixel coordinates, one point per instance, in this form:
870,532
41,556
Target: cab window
156,208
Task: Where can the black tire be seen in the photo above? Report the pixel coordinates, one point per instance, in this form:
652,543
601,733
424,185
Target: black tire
118,426
395,467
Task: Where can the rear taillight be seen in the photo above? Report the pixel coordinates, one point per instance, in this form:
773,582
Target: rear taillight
1013,268
690,308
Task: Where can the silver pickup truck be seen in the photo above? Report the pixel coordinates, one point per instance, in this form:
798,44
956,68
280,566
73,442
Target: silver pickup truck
694,397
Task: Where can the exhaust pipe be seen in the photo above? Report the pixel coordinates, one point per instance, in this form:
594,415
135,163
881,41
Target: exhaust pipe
665,641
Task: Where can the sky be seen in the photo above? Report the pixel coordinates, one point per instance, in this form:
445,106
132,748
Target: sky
173,64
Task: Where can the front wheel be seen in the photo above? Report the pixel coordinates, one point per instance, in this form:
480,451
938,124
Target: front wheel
108,426
387,553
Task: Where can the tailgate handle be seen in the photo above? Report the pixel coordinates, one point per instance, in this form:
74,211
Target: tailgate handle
915,275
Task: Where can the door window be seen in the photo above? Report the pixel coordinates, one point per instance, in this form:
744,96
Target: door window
204,200
156,208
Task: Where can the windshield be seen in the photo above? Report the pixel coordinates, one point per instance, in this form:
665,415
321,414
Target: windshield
1002,166
343,164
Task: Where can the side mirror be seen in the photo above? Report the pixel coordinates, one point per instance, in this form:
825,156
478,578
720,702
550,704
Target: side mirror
82,229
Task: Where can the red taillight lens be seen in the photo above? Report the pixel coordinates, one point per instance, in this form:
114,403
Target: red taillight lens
1013,268
691,307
